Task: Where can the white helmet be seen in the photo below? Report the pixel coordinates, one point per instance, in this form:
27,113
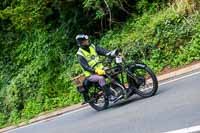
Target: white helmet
80,38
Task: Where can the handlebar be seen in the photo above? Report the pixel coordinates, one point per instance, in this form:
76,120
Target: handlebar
113,53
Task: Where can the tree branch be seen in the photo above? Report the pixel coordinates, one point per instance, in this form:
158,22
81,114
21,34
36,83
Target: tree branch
110,14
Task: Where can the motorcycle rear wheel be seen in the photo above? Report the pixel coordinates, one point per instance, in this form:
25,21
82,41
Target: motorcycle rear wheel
98,100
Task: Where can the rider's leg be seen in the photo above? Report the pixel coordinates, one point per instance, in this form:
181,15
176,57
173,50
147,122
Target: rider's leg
101,81
85,96
96,78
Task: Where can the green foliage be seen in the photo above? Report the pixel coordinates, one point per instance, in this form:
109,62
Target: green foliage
2,119
143,6
190,52
157,38
14,117
31,109
41,79
102,6
37,47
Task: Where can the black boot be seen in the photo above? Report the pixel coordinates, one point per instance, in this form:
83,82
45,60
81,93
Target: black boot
85,97
106,90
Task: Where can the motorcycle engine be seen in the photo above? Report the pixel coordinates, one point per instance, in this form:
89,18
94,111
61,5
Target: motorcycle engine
116,91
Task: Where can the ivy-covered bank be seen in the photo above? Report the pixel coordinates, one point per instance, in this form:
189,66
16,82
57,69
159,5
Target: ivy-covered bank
37,46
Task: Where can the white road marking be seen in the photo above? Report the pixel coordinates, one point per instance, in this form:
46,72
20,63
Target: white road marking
186,130
75,111
173,80
48,119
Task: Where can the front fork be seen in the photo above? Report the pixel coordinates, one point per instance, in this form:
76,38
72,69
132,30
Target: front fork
132,79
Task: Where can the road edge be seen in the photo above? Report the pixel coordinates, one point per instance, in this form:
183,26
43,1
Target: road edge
58,112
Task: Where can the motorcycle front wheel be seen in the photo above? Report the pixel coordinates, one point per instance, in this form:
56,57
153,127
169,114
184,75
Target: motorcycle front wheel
143,80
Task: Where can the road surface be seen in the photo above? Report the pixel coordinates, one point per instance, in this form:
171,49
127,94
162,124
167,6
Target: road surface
176,106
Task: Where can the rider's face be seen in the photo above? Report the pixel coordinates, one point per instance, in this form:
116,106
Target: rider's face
85,43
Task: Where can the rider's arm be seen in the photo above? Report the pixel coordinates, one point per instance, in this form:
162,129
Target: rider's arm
101,51
84,64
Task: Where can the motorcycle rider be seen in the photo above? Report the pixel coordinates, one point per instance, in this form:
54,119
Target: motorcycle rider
88,55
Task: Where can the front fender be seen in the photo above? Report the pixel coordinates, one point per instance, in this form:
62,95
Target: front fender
132,80
134,66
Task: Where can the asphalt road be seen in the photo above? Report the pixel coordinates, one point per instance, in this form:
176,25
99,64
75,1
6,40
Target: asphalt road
176,106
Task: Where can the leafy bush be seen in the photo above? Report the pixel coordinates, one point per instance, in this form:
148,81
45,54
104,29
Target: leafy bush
2,119
41,79
37,60
157,38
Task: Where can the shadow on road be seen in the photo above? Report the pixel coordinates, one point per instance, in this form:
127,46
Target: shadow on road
125,102
136,98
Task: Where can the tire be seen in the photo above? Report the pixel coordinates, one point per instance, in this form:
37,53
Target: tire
93,101
154,80
100,108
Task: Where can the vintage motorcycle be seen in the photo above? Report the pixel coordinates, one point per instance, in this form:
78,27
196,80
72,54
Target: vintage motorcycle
123,80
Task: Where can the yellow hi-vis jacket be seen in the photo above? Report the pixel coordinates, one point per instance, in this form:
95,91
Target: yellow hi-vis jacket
92,58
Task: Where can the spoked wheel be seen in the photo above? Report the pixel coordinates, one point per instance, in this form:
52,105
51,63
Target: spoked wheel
144,81
98,100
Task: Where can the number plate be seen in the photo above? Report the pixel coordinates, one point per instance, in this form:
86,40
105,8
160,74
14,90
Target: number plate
118,59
